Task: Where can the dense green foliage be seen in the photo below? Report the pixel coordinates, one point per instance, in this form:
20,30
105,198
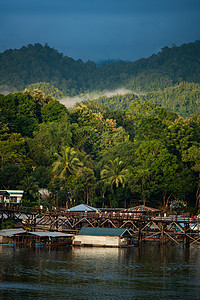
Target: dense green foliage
35,65
183,99
91,154
46,88
117,151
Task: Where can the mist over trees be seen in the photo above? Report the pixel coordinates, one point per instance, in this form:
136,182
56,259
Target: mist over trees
91,154
111,152
182,98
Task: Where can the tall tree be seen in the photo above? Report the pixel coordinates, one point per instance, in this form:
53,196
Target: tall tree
48,140
162,168
192,155
66,166
67,163
84,184
115,173
29,185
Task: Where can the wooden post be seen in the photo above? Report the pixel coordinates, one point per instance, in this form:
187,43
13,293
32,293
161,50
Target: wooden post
163,235
186,240
139,233
56,222
33,224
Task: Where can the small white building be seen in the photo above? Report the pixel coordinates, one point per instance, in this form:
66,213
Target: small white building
103,237
11,196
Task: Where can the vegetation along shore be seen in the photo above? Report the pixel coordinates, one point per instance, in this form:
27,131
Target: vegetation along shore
142,147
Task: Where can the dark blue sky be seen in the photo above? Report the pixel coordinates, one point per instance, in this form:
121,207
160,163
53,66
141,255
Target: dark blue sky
99,29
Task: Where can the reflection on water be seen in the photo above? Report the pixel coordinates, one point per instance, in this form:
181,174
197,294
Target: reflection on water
147,272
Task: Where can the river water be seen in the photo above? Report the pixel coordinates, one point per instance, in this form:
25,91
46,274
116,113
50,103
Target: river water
146,272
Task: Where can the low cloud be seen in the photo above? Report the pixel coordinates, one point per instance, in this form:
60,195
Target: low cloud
71,101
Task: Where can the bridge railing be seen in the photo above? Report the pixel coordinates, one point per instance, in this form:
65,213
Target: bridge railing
105,215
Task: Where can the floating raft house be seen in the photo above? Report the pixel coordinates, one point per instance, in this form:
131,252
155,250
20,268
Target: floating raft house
51,238
21,236
103,237
10,236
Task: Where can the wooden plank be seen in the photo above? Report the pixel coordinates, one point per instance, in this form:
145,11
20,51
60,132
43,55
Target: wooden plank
171,237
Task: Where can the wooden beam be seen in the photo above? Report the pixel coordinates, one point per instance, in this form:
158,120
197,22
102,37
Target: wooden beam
171,238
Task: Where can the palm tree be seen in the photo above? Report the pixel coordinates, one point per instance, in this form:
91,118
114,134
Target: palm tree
67,163
115,173
29,185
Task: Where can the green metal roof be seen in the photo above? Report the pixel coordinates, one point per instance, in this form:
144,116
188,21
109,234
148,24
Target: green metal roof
104,231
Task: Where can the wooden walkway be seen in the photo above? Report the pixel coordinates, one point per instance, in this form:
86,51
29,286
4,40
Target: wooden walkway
175,229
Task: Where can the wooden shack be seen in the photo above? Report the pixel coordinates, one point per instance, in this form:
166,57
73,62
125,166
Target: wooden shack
12,236
103,237
46,238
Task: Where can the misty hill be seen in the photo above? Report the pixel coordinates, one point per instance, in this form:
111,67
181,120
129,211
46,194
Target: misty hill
183,99
36,63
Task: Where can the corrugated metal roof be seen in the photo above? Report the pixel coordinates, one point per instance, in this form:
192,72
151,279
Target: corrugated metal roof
104,231
14,192
141,208
12,232
82,208
51,234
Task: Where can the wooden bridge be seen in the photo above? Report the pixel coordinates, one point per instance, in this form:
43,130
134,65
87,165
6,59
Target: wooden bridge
175,229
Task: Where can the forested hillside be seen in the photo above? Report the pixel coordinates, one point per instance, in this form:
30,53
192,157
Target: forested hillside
142,147
93,155
34,64
183,99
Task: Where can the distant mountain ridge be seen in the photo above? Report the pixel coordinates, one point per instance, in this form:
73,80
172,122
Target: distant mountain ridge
36,63
108,61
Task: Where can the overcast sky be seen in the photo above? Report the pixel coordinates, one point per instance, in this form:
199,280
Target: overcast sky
99,29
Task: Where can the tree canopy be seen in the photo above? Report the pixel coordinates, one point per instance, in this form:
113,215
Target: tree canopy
57,75
113,151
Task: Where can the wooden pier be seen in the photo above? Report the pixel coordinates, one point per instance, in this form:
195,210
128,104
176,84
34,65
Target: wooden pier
174,229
